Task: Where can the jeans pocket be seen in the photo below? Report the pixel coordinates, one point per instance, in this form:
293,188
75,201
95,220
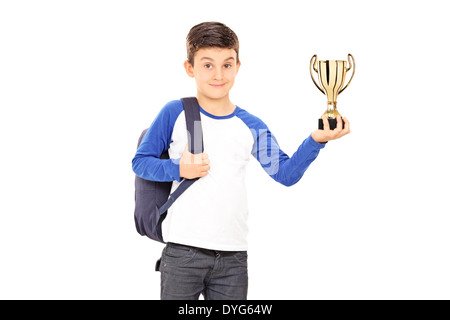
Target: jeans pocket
241,257
177,255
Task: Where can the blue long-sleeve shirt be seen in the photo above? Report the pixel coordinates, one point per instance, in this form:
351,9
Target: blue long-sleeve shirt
213,212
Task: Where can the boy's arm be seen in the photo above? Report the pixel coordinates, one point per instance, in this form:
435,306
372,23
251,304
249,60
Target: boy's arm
282,168
146,163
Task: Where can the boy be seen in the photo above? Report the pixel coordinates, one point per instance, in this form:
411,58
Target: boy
206,228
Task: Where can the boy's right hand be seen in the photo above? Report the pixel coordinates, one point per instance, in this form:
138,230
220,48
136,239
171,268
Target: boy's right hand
193,165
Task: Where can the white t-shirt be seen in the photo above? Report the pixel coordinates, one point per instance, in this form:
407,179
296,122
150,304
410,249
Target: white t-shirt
213,212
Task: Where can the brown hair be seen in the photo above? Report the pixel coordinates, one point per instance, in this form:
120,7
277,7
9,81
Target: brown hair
210,34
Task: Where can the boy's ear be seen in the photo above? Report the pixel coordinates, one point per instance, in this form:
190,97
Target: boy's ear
238,65
189,69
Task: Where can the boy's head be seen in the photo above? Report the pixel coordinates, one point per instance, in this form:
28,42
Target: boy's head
210,35
213,59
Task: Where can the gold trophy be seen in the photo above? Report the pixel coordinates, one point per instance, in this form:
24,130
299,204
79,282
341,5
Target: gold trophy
331,75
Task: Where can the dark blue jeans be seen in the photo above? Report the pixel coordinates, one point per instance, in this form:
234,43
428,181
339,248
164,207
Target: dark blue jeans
187,272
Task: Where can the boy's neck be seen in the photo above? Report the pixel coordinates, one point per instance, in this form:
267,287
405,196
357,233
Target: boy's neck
217,107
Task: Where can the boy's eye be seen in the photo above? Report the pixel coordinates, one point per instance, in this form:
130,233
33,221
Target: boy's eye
227,66
208,66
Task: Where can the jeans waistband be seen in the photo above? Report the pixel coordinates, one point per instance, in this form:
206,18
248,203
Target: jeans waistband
209,251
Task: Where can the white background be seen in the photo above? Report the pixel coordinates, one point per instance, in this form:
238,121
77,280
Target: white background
80,80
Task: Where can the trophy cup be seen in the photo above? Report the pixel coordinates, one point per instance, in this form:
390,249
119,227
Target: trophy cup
331,75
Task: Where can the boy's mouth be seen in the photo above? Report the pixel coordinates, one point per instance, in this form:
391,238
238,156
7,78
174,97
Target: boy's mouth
217,85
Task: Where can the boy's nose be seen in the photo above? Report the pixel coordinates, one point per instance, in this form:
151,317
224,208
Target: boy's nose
218,74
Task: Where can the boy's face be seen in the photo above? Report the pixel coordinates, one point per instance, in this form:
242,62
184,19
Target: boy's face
214,71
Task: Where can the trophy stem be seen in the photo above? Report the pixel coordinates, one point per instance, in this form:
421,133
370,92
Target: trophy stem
331,111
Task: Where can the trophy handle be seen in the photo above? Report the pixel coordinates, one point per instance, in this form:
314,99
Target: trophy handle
348,69
312,67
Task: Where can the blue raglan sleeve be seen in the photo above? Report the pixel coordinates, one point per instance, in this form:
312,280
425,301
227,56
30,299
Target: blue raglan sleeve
282,168
146,163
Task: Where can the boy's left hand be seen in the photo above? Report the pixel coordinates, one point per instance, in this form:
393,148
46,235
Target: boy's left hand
325,135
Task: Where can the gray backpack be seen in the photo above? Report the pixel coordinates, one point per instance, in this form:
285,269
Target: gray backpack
153,198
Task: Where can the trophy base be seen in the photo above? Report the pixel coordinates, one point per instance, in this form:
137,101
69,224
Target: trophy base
332,122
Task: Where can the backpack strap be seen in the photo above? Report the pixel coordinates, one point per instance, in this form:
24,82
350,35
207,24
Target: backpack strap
195,145
193,125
